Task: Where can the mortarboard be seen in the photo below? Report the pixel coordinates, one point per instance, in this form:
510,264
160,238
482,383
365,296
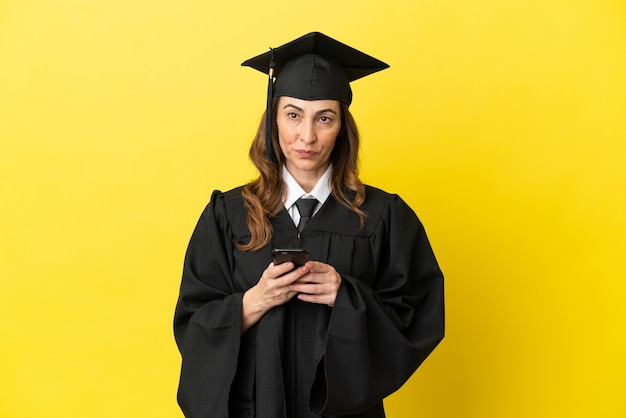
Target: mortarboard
312,67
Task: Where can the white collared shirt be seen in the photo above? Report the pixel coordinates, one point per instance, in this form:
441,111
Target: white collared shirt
321,191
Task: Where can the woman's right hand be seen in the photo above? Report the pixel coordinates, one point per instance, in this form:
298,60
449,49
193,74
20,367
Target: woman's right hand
272,289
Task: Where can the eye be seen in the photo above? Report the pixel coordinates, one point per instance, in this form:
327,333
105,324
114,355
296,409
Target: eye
326,119
292,115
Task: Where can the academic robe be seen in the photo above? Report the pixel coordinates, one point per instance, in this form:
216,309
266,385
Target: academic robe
302,359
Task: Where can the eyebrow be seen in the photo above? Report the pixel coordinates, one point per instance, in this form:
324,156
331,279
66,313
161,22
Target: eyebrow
302,110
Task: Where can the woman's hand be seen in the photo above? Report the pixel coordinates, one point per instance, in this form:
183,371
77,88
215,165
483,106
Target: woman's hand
319,285
273,289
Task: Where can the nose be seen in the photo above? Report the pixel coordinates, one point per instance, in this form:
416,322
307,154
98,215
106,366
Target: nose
308,134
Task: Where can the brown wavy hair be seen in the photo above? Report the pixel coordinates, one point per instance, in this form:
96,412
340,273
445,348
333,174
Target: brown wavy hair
264,196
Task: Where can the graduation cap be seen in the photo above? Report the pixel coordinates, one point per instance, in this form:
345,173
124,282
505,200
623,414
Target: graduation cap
312,67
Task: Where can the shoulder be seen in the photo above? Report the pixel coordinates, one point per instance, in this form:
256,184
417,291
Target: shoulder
376,198
380,204
229,210
229,197
224,205
374,193
232,196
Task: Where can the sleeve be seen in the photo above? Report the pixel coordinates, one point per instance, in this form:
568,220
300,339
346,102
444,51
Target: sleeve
379,335
207,320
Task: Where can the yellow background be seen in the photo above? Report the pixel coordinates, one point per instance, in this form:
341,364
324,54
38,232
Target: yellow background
502,123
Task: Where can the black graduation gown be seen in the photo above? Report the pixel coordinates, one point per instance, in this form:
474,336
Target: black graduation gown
301,359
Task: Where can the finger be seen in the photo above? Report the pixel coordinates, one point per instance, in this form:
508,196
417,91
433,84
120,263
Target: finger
317,266
310,288
301,287
280,269
317,277
295,275
319,299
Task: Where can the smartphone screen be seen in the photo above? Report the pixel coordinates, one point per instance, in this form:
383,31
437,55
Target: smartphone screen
297,256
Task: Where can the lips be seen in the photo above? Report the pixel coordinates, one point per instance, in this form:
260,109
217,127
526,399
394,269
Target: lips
306,153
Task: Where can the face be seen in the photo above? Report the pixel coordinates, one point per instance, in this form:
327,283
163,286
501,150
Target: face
307,131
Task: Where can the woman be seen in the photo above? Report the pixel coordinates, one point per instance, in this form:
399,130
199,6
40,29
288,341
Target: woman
335,336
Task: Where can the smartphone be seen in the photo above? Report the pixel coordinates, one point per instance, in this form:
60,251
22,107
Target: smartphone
297,256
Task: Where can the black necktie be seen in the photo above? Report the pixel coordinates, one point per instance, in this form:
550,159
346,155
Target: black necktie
305,207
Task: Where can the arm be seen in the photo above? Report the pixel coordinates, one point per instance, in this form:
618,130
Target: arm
380,333
211,313
207,321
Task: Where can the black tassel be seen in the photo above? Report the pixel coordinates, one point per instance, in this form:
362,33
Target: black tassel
269,152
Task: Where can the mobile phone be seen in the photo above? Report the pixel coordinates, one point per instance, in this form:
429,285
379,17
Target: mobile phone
297,256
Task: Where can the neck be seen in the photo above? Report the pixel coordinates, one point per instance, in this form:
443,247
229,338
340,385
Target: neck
307,179
307,184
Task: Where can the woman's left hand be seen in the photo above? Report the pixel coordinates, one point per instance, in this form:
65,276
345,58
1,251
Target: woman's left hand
319,285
